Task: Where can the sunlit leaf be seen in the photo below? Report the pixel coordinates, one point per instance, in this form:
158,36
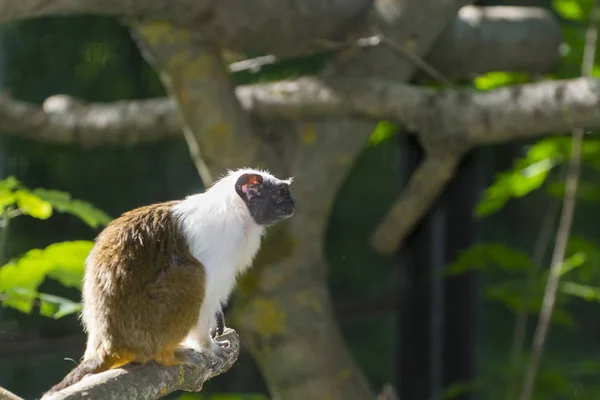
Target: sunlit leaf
9,183
21,301
569,264
57,307
528,174
32,205
493,80
569,9
50,306
60,261
63,202
590,270
27,274
382,132
586,292
68,260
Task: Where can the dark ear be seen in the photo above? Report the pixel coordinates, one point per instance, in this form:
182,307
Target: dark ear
247,185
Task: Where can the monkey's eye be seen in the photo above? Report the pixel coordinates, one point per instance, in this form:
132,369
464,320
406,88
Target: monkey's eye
282,192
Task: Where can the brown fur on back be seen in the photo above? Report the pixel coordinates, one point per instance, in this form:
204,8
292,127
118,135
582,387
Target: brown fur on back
142,287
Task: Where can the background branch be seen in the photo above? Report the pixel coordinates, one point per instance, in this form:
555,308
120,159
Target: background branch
423,188
194,73
523,38
566,220
476,118
150,381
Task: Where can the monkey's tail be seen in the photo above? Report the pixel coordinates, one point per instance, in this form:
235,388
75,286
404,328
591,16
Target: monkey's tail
91,366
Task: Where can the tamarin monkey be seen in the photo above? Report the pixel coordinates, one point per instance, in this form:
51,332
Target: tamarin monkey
158,276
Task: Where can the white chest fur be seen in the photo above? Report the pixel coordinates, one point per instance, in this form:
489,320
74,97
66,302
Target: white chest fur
223,237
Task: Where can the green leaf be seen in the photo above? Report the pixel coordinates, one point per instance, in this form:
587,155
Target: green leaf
382,132
68,260
528,174
510,294
10,183
569,9
586,292
62,202
26,273
19,301
50,306
32,205
483,255
494,80
589,272
7,198
57,307
63,262
569,264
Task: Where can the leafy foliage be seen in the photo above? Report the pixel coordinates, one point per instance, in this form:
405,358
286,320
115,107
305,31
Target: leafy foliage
63,262
40,203
527,174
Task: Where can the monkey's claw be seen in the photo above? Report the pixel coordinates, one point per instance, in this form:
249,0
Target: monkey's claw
219,327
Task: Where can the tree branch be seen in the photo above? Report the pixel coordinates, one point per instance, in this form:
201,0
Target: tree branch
150,381
195,75
62,119
5,394
254,26
471,117
276,27
423,188
499,38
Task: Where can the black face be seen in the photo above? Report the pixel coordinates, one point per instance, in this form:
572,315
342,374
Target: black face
267,201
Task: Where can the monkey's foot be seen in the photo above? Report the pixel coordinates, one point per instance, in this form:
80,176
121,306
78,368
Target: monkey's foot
221,349
190,357
196,355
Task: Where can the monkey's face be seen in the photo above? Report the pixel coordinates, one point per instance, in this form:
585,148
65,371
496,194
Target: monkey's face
268,201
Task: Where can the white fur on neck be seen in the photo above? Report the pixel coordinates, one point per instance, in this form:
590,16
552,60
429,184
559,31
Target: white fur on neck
222,235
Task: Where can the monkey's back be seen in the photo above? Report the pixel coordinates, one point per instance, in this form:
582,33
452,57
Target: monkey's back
142,288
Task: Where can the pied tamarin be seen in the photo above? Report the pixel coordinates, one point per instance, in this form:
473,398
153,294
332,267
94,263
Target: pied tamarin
158,276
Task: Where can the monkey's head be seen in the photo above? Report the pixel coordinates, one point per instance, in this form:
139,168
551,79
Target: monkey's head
268,199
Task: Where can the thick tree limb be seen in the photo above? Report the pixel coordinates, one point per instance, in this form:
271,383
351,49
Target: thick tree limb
150,381
263,26
466,116
486,39
195,75
283,29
